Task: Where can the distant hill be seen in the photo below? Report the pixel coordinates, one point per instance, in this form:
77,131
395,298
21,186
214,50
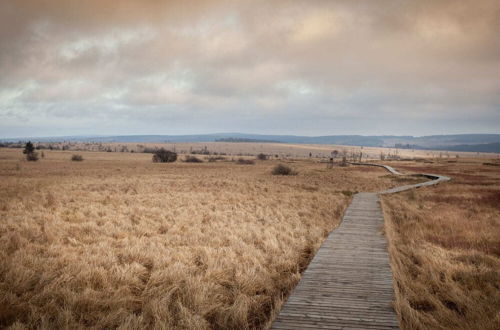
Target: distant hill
457,142
231,139
483,147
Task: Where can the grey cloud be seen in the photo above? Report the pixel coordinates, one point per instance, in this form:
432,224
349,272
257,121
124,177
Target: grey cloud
299,67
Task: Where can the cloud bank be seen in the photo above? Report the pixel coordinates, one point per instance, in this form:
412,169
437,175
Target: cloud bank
296,67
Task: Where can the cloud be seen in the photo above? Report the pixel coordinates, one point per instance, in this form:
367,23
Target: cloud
385,67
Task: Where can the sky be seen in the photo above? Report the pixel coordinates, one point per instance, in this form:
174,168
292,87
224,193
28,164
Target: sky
94,67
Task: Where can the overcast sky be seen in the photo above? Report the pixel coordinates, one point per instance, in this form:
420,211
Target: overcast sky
73,67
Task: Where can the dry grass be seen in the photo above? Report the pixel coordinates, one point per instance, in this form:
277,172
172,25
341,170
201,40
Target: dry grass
445,248
119,241
281,150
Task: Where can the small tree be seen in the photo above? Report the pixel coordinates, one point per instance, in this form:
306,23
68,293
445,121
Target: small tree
29,151
29,148
77,158
164,156
344,161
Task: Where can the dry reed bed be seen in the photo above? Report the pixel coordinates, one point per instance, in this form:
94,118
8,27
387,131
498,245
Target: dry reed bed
445,248
117,241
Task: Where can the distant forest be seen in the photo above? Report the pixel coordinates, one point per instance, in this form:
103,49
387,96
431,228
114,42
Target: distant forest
230,139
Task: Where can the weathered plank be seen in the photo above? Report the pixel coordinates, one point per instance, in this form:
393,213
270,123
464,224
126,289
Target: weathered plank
348,284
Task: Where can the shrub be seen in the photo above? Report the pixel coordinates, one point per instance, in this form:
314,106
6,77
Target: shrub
77,158
193,159
203,151
164,156
29,151
214,159
281,169
242,161
261,156
32,157
348,193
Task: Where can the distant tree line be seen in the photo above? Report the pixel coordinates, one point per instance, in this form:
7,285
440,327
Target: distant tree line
246,140
405,146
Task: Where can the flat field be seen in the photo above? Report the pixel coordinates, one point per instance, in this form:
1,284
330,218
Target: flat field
281,150
445,247
119,241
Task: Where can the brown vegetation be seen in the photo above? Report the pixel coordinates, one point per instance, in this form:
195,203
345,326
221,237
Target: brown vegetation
193,159
164,156
119,241
77,158
281,169
243,161
445,248
271,150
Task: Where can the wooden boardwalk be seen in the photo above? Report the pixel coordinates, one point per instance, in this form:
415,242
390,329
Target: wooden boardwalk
348,284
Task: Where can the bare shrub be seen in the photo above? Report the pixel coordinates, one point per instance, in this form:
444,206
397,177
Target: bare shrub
262,156
281,169
343,163
216,158
243,161
77,158
32,157
193,159
164,156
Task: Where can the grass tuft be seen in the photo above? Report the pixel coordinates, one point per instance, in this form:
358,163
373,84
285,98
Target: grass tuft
281,169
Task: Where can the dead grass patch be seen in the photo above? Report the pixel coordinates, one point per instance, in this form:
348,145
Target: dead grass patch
445,250
119,241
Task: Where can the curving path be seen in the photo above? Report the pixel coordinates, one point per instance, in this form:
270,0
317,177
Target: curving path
435,179
348,284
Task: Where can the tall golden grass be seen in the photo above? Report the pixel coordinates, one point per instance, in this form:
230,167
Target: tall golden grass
445,248
117,241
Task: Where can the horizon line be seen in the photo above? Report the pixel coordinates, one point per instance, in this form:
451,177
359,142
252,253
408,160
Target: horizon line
229,133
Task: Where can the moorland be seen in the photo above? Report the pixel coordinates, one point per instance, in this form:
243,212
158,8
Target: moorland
116,240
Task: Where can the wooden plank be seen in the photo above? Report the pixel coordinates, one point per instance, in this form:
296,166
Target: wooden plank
348,284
